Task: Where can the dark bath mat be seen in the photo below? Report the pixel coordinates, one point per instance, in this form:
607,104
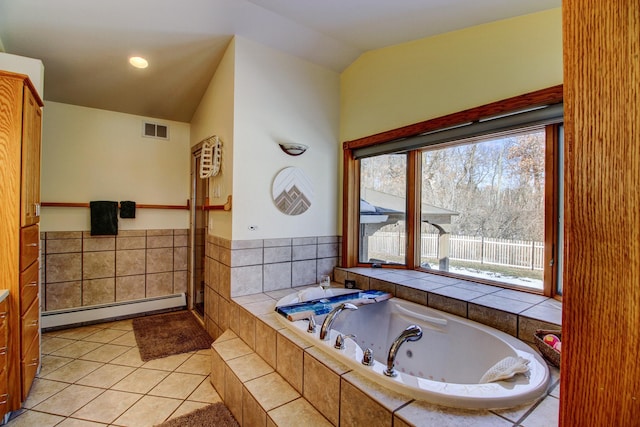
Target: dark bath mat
216,415
162,335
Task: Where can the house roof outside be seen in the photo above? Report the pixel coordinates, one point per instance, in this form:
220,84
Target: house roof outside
394,206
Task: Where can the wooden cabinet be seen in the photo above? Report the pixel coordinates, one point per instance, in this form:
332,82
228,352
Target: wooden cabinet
30,179
20,135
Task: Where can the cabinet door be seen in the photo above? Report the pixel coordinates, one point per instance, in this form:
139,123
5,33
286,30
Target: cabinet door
28,287
30,364
29,245
31,137
30,325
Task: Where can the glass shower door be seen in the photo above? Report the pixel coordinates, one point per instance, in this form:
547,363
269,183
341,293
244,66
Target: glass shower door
199,192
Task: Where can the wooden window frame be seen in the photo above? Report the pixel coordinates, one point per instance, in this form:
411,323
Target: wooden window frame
351,182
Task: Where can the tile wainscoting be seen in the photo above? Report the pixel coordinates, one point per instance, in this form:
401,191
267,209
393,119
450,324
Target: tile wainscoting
83,270
234,268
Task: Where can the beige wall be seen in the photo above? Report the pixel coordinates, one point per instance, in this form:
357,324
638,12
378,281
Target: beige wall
214,116
404,84
90,154
281,98
268,97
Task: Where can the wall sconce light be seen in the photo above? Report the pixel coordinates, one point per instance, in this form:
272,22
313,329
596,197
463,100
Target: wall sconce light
293,149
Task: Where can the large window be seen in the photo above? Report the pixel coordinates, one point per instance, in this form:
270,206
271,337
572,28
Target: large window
483,209
477,200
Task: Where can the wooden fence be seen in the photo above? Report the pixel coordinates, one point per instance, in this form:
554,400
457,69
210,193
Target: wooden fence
482,250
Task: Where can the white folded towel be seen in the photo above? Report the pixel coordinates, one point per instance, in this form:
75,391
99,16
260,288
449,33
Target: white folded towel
506,368
311,293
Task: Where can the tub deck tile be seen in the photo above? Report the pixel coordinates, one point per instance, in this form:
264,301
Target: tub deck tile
357,408
387,398
458,293
425,414
498,319
249,367
296,413
290,361
230,349
328,361
504,304
322,389
271,391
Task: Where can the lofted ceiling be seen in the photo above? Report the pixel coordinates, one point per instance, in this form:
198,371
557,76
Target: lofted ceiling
84,45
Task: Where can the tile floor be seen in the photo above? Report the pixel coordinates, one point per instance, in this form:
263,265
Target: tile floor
93,376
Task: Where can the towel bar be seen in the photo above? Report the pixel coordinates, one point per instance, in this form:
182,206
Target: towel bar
139,206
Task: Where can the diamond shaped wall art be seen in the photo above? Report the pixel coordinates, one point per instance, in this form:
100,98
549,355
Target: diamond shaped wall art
292,191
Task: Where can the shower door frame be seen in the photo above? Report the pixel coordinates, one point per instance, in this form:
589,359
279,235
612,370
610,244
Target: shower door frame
196,209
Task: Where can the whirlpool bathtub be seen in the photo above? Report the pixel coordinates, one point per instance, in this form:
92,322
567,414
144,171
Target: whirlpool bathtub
444,366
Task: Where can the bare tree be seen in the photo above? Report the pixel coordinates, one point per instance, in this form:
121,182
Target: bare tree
496,185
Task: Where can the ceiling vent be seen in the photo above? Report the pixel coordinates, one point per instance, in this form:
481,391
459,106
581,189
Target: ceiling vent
155,130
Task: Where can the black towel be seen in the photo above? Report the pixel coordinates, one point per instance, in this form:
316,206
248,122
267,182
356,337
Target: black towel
104,218
127,209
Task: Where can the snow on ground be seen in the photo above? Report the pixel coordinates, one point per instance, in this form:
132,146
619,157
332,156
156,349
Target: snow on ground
490,275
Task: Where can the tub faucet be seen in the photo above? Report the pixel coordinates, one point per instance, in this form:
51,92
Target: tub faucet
311,328
328,321
340,341
411,333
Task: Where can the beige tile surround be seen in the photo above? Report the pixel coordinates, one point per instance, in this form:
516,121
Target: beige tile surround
82,270
295,383
245,267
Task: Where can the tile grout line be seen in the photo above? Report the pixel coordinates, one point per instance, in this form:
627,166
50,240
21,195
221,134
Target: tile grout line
200,374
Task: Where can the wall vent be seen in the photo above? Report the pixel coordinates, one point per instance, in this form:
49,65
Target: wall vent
155,130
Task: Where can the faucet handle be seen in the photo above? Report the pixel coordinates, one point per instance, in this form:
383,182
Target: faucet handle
312,324
367,357
340,340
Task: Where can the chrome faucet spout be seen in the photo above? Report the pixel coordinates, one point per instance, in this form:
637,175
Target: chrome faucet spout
328,321
411,333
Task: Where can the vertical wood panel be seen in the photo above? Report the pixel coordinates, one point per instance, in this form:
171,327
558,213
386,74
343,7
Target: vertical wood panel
600,381
10,151
350,214
551,251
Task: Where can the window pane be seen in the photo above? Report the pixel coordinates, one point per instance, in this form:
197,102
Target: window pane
383,202
482,209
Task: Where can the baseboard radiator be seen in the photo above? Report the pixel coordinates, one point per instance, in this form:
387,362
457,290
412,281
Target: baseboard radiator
103,312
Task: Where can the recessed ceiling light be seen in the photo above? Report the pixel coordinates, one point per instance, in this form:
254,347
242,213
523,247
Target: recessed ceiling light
138,62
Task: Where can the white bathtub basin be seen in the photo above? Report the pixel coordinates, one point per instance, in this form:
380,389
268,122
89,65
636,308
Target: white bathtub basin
444,366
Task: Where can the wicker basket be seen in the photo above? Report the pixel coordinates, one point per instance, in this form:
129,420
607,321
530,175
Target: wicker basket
549,353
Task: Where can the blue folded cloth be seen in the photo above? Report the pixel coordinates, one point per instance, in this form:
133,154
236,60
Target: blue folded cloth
104,218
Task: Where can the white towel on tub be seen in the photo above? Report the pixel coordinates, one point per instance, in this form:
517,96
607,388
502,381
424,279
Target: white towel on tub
504,369
312,294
